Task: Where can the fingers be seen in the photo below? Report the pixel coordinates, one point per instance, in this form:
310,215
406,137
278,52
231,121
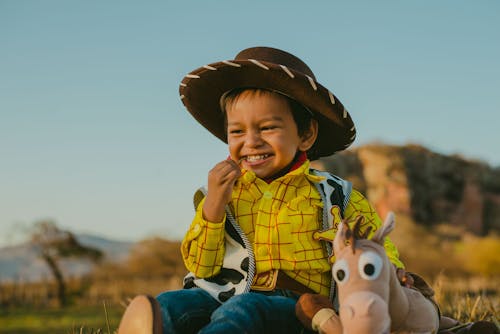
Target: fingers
308,305
304,310
225,171
312,303
221,180
232,165
322,301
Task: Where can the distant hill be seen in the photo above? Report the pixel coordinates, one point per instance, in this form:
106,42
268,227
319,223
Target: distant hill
429,187
21,262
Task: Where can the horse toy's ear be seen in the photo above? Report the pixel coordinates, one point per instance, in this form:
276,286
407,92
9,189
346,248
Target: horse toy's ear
345,233
340,237
385,229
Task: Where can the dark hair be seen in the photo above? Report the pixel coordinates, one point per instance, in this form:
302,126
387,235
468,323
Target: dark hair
301,115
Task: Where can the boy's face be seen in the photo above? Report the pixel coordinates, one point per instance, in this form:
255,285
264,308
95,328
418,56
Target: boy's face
262,134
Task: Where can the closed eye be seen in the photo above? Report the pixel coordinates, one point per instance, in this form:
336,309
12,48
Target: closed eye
235,131
267,127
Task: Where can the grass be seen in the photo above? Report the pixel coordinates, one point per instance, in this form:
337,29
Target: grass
74,319
457,301
468,299
463,298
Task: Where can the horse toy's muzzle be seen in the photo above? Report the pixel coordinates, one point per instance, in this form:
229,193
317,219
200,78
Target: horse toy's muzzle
365,312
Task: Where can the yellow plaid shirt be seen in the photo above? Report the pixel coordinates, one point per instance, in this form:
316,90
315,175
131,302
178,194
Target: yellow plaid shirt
279,220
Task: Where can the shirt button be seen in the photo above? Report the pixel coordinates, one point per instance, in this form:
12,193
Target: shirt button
262,251
267,195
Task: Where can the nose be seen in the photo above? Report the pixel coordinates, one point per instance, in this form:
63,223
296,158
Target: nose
253,139
365,312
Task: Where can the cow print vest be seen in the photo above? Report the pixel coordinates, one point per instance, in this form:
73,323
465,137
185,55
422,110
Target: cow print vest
238,267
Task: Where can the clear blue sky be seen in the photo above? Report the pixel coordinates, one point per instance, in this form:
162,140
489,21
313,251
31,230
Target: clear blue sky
94,136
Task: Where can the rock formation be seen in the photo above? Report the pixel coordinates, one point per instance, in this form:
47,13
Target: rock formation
429,187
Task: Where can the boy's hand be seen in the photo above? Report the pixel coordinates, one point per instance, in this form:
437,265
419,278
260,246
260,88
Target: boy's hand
221,180
308,305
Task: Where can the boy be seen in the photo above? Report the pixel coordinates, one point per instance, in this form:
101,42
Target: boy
251,247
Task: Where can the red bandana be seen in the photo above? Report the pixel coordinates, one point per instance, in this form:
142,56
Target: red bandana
299,159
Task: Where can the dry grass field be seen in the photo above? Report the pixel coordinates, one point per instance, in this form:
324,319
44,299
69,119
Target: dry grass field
469,299
462,269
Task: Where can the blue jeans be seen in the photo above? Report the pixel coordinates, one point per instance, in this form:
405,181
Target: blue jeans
195,311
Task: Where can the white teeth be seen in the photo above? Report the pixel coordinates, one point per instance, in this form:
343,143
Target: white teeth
252,158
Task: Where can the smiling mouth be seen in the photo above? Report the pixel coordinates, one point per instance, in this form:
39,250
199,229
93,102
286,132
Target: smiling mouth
254,158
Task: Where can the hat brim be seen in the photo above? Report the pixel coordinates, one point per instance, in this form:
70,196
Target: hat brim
202,89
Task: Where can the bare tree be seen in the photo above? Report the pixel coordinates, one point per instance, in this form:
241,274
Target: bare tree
54,244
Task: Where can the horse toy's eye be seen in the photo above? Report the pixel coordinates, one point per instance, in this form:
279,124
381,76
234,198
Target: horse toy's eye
369,265
340,271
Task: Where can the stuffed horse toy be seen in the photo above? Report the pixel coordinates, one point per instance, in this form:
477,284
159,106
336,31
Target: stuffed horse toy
370,296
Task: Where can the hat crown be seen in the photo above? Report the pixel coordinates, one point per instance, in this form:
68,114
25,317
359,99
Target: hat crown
275,56
279,71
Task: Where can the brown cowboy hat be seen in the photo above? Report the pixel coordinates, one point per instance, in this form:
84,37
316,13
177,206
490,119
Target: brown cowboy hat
275,70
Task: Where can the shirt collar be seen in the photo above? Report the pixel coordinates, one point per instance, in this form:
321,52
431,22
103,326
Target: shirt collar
302,169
